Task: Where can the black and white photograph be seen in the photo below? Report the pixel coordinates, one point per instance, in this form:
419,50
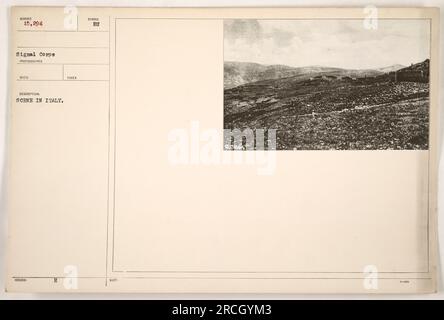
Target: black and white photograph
329,84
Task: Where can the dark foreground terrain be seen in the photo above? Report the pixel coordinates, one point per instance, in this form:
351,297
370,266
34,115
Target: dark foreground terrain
343,113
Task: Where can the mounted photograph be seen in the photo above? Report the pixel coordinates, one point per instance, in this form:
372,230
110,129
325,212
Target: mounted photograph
327,84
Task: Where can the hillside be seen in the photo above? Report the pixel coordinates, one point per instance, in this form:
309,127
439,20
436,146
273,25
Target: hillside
421,66
418,72
327,110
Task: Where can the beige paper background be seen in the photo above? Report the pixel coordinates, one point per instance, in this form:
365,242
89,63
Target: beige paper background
311,227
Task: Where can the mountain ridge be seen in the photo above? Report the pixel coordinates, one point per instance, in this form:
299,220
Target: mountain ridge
240,73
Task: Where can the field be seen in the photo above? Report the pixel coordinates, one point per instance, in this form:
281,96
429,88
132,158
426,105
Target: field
322,113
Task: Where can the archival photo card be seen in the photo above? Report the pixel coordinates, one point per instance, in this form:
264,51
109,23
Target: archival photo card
179,150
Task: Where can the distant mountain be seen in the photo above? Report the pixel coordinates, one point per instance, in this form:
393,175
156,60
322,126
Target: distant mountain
239,73
392,68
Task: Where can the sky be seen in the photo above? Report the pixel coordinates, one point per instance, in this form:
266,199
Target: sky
332,43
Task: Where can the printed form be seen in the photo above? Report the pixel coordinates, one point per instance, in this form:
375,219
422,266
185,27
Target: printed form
124,173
